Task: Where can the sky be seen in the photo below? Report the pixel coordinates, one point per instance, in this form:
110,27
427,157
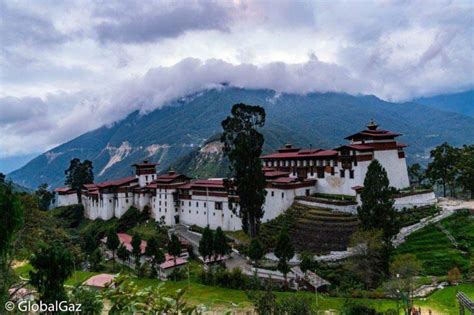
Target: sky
67,67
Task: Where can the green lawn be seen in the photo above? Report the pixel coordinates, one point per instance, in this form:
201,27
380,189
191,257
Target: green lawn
432,247
220,299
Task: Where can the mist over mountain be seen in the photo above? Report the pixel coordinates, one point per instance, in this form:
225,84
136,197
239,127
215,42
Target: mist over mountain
458,102
179,134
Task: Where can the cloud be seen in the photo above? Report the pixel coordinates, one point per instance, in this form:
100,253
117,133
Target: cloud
139,22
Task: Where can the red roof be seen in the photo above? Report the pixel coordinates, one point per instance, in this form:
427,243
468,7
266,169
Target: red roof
64,190
126,240
358,147
117,182
301,153
370,134
100,280
169,262
211,183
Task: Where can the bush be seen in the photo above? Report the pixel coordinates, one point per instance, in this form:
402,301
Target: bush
177,274
132,217
70,216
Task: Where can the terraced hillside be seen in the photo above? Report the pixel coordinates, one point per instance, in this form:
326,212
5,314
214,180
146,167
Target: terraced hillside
315,229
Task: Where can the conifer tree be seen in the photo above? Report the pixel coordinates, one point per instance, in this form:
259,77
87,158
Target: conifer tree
220,246
255,250
154,251
136,250
112,244
123,254
206,246
78,174
174,247
284,251
243,146
376,211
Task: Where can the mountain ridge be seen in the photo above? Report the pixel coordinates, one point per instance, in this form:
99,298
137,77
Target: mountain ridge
171,132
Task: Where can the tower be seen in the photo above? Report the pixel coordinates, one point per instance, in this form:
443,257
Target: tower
145,172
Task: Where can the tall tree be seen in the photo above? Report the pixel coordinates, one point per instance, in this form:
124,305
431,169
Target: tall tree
465,168
221,248
442,169
206,246
11,221
123,254
44,196
52,265
416,173
112,244
243,146
255,250
174,247
154,251
284,251
376,211
78,174
404,269
368,262
136,250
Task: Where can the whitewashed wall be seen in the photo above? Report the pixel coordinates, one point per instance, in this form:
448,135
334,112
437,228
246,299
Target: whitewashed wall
418,200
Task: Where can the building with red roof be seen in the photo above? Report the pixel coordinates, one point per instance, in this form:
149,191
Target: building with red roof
290,172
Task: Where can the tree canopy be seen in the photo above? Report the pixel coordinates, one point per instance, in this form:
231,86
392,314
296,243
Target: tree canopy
78,174
376,211
206,245
243,146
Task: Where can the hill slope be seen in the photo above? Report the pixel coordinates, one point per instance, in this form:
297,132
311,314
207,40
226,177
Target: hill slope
171,132
459,102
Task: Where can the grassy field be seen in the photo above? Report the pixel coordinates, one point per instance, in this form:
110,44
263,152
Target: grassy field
220,299
433,248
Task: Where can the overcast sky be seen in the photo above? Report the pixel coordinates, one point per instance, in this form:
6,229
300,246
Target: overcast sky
67,67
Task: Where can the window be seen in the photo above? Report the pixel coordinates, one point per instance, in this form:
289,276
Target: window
273,193
311,172
218,205
342,172
159,209
182,203
146,177
306,192
197,204
126,200
110,200
351,173
166,203
283,195
320,173
214,214
197,212
205,205
190,203
159,202
332,171
355,162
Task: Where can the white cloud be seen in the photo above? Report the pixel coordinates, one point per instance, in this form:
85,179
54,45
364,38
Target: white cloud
72,66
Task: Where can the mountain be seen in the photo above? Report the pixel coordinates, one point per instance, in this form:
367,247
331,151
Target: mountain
170,134
459,102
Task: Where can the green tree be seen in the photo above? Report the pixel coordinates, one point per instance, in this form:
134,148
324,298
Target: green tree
284,251
243,146
174,247
123,254
154,251
307,261
368,264
376,211
78,174
404,270
95,259
465,168
11,221
442,169
206,246
52,265
90,300
416,173
136,250
255,250
220,246
89,244
44,196
127,298
112,244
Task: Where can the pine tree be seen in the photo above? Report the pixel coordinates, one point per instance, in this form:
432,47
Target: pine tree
243,146
154,251
284,251
123,254
220,246
376,211
78,174
174,247
112,244
206,246
255,250
136,250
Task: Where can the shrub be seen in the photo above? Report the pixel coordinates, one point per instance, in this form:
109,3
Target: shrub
132,217
70,216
